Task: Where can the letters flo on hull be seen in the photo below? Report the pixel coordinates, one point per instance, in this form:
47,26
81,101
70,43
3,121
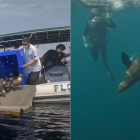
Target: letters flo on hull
62,88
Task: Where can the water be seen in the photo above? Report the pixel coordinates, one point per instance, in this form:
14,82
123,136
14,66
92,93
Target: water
44,122
98,111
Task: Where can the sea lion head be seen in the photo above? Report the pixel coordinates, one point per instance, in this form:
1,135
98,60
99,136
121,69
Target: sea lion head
123,86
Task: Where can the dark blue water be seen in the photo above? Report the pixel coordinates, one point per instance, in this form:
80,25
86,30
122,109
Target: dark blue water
44,122
98,111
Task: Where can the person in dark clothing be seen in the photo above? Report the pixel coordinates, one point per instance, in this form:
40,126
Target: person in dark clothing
54,57
95,37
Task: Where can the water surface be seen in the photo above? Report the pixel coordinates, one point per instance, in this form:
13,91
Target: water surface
44,122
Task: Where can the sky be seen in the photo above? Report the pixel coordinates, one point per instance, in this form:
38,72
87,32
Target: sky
23,15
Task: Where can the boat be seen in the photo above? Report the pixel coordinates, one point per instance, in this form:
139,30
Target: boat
59,90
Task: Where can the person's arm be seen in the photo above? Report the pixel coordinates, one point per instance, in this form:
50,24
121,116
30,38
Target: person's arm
110,24
31,63
66,55
85,36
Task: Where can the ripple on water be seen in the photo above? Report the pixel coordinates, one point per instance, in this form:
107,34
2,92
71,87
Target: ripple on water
44,122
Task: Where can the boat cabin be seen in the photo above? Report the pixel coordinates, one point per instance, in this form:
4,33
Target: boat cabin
12,60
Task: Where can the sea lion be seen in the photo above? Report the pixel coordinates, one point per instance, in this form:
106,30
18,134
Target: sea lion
132,73
17,81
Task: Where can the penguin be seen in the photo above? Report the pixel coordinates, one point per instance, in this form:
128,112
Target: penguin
17,81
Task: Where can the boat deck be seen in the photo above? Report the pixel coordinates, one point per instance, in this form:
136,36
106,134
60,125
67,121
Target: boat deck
20,99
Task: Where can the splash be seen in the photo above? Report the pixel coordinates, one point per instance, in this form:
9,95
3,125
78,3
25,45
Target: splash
117,4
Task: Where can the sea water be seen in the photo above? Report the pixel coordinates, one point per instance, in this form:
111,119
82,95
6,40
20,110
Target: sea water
98,111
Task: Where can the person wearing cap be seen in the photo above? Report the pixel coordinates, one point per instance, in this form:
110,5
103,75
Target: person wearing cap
54,57
33,63
95,38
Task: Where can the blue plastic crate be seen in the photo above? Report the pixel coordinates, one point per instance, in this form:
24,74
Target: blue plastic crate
12,60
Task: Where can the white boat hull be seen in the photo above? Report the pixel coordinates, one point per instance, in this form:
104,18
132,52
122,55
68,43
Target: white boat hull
56,92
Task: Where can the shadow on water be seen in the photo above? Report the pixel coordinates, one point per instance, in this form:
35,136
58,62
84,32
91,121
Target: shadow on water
44,122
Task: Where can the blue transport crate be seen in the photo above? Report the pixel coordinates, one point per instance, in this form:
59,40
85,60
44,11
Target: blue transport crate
12,61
